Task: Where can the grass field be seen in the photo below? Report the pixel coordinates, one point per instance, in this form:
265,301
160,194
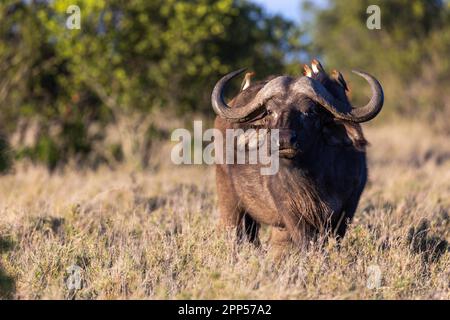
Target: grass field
152,234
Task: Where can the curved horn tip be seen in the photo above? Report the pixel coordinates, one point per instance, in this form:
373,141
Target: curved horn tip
360,72
367,76
377,99
237,72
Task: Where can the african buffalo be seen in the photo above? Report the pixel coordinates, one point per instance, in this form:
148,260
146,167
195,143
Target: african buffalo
322,169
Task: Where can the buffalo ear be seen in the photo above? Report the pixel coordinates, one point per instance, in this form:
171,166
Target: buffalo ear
344,133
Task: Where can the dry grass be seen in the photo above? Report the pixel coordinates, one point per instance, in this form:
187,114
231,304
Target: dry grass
152,234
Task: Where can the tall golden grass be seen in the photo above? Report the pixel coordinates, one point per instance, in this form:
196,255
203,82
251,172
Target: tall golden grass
152,233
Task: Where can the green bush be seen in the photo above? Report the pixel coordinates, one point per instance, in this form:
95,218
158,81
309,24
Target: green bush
138,56
128,56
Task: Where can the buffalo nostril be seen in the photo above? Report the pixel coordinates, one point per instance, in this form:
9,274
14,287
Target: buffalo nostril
293,139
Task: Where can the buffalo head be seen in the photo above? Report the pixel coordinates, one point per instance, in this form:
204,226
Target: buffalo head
295,106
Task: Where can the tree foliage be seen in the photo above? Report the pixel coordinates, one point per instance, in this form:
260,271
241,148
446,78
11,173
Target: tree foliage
409,53
60,88
128,56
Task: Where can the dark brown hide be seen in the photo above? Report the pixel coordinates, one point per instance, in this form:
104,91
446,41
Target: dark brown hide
317,189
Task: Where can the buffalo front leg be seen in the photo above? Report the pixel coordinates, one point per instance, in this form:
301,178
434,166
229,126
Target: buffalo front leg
251,230
233,218
280,241
349,208
230,211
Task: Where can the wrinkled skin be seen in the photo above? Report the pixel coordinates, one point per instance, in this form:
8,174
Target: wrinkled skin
321,177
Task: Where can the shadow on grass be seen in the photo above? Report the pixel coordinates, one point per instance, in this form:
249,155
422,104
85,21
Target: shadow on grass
7,283
421,240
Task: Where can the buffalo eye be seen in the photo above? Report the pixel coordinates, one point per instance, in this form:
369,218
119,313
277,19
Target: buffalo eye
259,123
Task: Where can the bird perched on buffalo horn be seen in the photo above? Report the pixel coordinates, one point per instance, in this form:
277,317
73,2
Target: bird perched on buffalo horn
307,71
247,80
316,66
339,78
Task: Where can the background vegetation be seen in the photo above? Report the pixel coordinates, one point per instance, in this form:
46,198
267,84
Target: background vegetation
409,54
60,89
129,57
